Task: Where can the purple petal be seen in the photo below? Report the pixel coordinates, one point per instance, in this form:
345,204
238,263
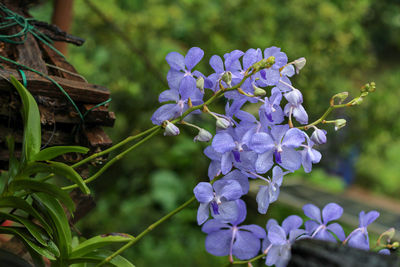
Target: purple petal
193,56
227,211
165,112
212,154
250,57
174,78
277,235
226,162
300,114
169,95
271,76
255,230
203,213
293,138
359,240
203,192
188,89
288,71
294,97
337,230
242,212
292,222
312,212
176,61
384,251
228,189
214,169
273,255
278,132
270,223
331,212
291,159
264,162
232,60
324,234
214,226
277,175
368,218
311,226
223,142
217,64
295,234
246,245
263,199
242,179
261,143
218,243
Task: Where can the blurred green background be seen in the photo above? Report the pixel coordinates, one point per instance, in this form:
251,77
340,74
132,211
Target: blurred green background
346,43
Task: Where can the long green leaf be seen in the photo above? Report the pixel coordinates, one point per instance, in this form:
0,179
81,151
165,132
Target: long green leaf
58,219
58,168
24,235
30,186
20,204
98,242
13,163
55,151
100,255
34,229
31,116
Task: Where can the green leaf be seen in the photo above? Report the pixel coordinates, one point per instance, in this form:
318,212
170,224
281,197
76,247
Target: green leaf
30,185
58,168
13,163
59,220
55,151
34,229
30,113
100,241
20,204
100,255
24,235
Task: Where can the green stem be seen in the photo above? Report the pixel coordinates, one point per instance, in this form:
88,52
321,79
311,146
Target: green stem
112,161
123,142
327,112
248,261
145,232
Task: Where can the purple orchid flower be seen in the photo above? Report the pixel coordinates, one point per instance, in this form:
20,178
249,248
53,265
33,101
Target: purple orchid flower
359,237
181,77
278,244
271,76
219,198
309,155
271,112
224,239
282,143
269,193
320,229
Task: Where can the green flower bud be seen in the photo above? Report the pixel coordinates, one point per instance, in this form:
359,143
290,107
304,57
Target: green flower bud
259,91
222,123
203,136
339,123
200,84
341,96
227,77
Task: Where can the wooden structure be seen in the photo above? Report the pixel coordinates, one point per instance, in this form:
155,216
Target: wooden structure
61,122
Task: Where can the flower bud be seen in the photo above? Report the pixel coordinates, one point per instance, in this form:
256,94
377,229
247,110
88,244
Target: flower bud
170,129
299,64
339,123
222,123
227,77
319,136
341,96
200,84
203,136
294,97
258,91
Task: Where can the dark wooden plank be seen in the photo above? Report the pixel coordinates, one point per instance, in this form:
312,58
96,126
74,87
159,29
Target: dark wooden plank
96,137
316,253
37,85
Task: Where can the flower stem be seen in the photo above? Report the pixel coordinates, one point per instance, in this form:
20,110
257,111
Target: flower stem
145,232
112,161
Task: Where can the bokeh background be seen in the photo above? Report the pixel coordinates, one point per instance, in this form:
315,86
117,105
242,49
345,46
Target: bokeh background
346,44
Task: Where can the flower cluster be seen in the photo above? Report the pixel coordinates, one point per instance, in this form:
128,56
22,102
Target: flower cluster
248,147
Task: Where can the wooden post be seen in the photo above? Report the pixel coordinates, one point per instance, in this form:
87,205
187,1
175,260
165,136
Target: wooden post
62,17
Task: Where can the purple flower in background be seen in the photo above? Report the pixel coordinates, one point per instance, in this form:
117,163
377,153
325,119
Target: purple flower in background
180,77
359,237
269,193
294,107
169,111
271,111
271,76
281,143
224,239
219,198
278,244
320,229
309,155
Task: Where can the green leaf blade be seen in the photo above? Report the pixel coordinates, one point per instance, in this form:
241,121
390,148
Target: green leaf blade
55,151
